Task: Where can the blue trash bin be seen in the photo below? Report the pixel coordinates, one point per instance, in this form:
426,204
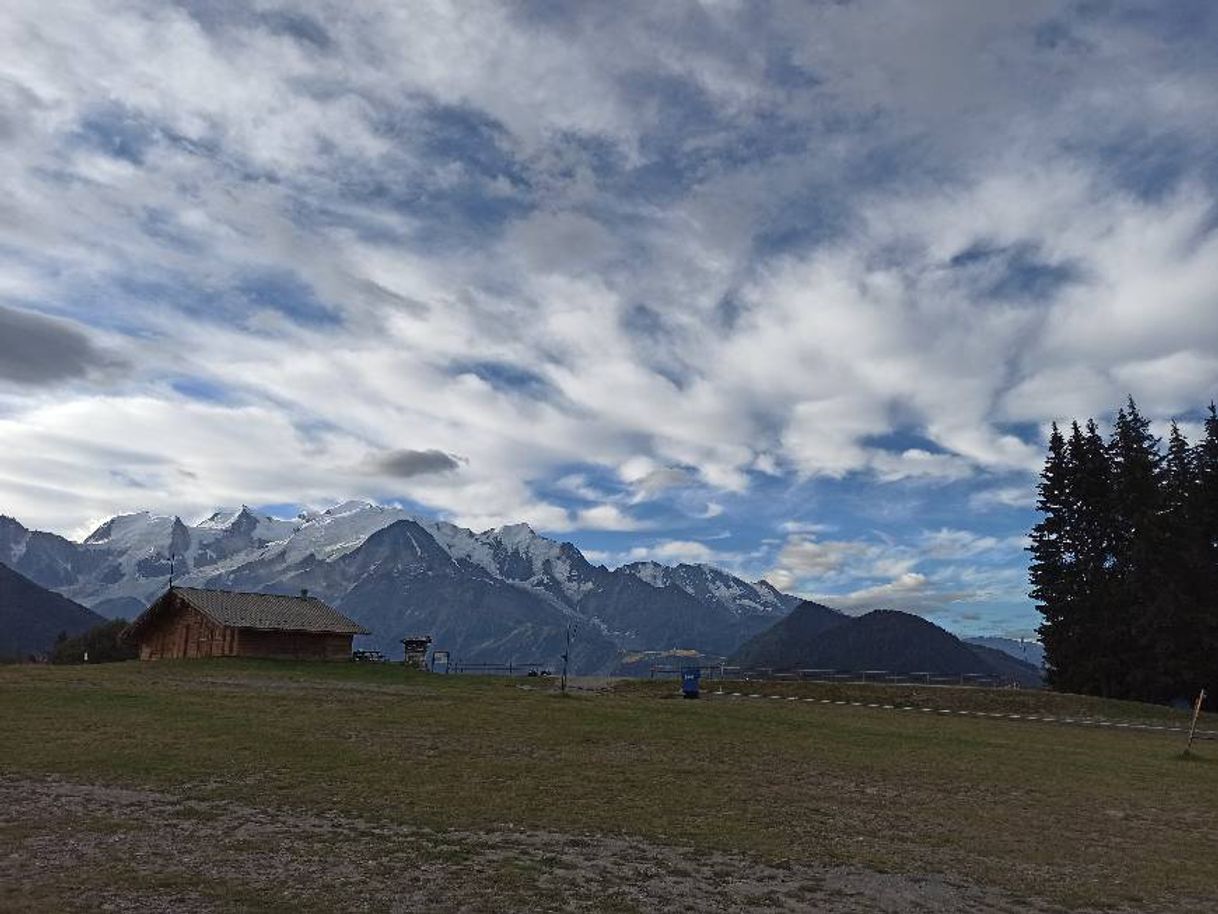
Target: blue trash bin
691,676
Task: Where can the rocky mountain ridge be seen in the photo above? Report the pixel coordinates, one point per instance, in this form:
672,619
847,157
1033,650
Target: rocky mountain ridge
506,594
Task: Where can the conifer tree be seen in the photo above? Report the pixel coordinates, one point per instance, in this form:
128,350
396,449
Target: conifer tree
1052,563
1093,544
1135,528
1206,615
1169,626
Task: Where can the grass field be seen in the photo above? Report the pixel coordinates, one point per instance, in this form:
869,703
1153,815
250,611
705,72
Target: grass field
222,785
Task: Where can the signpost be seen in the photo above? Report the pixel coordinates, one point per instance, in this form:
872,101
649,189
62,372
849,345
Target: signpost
1192,730
567,655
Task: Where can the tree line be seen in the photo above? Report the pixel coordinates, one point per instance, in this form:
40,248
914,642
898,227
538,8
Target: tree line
103,643
1125,560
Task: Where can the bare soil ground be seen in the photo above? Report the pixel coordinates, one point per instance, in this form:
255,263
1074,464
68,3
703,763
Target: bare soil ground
67,846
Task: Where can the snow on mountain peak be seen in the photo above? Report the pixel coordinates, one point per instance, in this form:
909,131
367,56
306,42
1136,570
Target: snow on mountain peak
652,573
354,506
128,530
515,534
222,518
708,582
141,547
340,529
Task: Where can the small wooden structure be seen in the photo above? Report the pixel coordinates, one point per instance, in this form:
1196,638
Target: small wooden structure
415,651
188,622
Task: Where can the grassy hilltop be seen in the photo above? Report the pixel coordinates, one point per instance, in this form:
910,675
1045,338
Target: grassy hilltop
231,785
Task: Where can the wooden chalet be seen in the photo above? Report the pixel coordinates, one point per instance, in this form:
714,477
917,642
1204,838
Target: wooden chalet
188,622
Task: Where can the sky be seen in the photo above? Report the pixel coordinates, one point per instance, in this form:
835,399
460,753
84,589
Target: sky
791,288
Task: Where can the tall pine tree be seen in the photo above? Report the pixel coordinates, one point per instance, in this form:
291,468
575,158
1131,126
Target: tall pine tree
1052,564
1169,627
1135,526
1206,614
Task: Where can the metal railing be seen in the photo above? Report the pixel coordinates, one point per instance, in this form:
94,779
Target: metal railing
499,669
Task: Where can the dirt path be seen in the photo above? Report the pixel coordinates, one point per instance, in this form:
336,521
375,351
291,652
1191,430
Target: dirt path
67,846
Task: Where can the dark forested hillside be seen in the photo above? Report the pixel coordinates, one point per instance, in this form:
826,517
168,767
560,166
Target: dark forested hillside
816,637
786,644
31,617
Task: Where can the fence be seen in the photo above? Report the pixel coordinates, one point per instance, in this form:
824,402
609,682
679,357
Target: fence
740,674
499,669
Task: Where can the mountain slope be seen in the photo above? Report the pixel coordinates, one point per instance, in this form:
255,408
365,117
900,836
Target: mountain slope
1008,667
401,582
1032,652
896,642
497,595
786,644
712,585
31,617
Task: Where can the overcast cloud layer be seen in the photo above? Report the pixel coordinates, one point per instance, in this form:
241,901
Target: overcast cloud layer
792,288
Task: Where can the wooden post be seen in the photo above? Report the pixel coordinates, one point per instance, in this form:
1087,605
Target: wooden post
1192,730
565,657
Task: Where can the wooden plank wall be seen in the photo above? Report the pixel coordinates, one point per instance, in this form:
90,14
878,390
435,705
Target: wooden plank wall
181,631
293,645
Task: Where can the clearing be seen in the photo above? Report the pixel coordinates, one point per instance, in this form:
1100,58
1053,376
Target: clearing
227,785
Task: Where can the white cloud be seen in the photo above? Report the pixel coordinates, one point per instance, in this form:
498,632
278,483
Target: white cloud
932,571
605,517
957,544
1004,497
674,551
464,186
799,526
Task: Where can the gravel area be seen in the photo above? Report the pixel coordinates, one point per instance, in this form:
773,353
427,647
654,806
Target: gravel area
68,846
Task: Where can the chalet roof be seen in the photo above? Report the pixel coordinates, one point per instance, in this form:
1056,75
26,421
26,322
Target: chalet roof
268,612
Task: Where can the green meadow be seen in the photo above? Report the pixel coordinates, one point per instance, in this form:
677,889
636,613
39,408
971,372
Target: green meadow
458,775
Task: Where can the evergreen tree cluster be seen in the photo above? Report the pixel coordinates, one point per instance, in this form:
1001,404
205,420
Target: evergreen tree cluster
102,644
1125,560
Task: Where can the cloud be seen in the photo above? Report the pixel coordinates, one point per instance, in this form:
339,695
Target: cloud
926,573
1004,497
674,551
676,255
958,544
799,526
911,592
803,556
916,463
405,463
606,517
37,350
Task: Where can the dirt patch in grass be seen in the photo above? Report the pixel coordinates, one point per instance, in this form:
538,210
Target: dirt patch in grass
66,846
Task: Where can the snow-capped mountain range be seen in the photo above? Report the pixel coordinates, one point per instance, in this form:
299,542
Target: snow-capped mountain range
499,595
